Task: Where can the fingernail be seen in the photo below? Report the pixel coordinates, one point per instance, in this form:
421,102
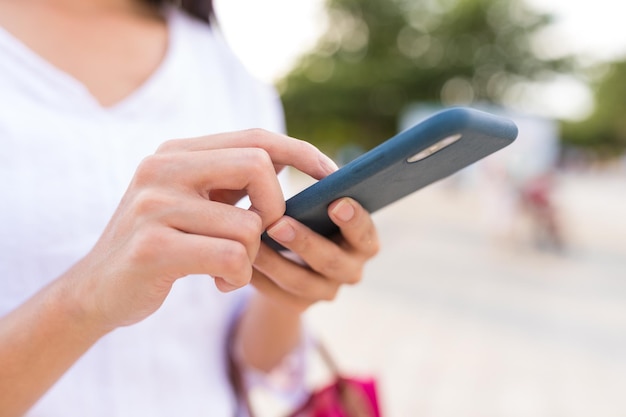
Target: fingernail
282,231
344,211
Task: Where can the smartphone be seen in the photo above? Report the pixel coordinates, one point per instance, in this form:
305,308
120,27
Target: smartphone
431,150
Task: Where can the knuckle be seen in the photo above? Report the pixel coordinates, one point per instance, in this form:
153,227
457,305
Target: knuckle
148,202
257,134
374,248
334,262
234,262
233,255
149,169
168,146
307,147
369,241
259,161
147,245
355,277
250,228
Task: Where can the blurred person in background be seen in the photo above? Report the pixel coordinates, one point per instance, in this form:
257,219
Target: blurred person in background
97,227
519,186
537,199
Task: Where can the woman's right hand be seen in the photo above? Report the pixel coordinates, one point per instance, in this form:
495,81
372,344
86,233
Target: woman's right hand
177,218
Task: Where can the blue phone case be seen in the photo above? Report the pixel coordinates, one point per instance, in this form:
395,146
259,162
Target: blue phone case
384,175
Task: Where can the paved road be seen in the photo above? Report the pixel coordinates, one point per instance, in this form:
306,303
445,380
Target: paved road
455,321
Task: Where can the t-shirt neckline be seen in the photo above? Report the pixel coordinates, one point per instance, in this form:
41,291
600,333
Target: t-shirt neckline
77,89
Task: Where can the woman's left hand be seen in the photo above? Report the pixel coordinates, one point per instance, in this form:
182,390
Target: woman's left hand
329,264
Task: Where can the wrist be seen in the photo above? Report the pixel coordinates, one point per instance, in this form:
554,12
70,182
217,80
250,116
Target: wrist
40,340
72,298
266,332
289,306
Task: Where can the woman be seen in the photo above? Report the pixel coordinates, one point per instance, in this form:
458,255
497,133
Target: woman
98,229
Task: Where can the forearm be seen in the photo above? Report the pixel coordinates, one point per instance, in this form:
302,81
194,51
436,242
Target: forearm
266,332
39,341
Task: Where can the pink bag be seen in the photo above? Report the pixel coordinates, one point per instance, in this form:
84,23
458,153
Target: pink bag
344,397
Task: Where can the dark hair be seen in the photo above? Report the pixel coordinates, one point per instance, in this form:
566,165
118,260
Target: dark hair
202,9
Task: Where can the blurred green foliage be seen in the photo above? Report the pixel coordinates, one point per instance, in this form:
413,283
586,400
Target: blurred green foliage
604,131
377,56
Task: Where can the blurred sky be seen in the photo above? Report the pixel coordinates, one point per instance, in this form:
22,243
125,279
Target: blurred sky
268,35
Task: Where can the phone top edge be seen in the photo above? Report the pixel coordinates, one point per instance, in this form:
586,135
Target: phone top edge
498,126
410,141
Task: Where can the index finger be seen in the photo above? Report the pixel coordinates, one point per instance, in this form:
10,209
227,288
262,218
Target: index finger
201,172
282,149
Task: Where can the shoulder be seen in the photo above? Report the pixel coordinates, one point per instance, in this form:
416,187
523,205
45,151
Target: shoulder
210,54
209,48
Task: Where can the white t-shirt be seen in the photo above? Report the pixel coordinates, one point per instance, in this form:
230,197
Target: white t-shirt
65,162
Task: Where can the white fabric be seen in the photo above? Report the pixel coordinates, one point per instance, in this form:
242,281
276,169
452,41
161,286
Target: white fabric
65,161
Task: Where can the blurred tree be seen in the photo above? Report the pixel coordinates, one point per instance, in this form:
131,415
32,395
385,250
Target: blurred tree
377,56
605,130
